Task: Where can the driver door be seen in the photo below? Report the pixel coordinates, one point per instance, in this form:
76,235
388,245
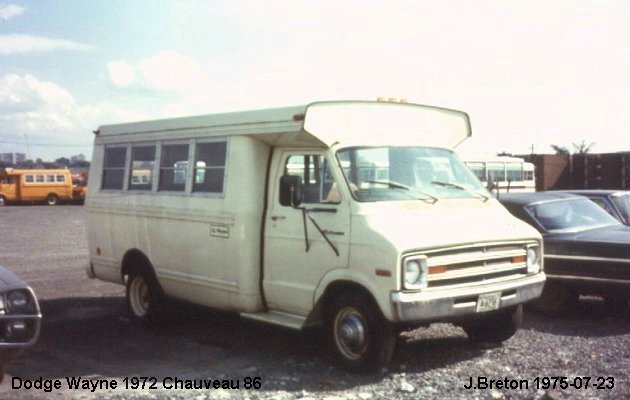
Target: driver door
297,254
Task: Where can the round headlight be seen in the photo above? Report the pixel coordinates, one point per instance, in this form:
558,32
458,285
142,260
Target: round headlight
533,264
532,256
18,301
412,272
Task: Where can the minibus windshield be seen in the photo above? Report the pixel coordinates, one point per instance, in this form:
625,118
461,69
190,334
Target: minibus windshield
403,173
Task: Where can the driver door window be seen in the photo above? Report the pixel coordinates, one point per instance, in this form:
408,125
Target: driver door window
318,185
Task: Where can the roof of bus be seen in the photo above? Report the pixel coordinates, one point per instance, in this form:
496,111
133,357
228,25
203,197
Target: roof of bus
493,159
319,123
13,171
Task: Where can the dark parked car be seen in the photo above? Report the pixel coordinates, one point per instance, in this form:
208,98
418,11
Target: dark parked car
586,251
615,202
20,317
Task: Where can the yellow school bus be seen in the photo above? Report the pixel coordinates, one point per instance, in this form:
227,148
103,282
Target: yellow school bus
35,185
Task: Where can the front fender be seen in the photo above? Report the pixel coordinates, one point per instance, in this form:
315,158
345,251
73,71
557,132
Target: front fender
379,287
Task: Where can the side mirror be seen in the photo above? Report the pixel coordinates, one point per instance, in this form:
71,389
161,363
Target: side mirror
290,190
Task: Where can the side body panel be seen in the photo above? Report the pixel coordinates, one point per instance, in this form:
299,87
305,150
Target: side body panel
204,249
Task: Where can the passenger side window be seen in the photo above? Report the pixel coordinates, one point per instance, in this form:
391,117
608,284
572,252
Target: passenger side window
142,163
114,168
173,167
209,167
318,185
496,172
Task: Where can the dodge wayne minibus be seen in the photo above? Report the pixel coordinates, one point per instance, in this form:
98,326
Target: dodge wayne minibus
353,214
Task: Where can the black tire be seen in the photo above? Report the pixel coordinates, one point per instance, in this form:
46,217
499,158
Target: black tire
496,328
145,300
3,201
555,298
360,338
52,199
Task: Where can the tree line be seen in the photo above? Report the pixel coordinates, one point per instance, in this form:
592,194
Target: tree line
59,163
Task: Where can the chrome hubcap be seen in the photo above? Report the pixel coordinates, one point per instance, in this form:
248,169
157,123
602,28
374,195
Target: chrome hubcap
350,333
139,296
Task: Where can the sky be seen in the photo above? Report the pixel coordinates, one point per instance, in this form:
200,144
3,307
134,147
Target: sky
529,73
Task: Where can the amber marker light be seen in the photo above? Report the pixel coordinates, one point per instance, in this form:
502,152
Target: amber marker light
518,260
437,269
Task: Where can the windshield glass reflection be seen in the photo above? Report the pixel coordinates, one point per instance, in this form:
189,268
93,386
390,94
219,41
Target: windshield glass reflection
399,173
570,214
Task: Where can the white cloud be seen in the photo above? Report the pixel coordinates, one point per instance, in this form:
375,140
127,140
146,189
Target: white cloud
19,43
49,114
164,71
121,73
10,10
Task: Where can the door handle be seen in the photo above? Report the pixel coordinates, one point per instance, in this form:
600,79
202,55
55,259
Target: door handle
278,217
327,232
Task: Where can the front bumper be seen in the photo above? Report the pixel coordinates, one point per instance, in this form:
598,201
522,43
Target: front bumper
433,305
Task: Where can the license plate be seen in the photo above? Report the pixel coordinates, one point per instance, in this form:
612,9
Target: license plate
488,301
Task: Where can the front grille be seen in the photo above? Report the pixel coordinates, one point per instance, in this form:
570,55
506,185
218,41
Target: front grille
467,265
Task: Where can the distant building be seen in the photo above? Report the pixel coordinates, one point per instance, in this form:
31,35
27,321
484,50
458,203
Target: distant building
12,158
581,171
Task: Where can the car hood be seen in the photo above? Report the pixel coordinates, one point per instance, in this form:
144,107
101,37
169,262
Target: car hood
610,241
608,234
8,280
410,226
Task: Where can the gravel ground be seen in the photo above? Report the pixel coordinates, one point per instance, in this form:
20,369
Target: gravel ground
85,321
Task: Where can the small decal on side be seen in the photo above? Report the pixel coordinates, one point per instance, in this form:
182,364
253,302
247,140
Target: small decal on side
221,231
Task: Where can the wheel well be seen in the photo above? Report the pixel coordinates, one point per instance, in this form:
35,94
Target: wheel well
136,260
334,290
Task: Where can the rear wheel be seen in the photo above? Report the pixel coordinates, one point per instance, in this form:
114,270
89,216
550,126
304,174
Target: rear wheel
52,199
497,328
145,301
359,336
3,201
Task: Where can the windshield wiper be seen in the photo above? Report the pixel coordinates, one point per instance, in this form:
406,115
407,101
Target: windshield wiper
459,187
397,185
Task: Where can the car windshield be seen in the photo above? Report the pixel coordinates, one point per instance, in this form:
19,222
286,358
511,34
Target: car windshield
623,204
402,173
570,214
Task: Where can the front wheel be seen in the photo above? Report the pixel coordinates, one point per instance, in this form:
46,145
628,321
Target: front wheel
52,200
497,328
144,298
3,201
360,338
